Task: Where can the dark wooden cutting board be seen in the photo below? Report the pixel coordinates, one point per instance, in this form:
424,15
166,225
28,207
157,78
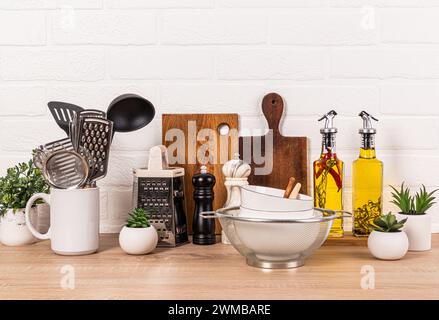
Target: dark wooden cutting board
290,154
202,121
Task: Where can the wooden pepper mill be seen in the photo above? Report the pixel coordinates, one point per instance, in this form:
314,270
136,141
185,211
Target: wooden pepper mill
203,229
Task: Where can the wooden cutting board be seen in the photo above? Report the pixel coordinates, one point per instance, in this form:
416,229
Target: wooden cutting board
189,126
289,154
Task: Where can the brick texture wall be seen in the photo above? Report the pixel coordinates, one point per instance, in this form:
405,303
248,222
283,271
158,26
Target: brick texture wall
223,56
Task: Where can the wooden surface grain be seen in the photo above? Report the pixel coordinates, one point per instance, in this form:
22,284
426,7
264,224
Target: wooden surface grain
214,272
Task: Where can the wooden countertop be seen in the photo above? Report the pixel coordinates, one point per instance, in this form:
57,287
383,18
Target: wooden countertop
214,272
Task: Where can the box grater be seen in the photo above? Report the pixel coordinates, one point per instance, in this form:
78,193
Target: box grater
160,189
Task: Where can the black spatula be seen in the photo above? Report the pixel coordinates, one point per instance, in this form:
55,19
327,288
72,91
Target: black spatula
63,113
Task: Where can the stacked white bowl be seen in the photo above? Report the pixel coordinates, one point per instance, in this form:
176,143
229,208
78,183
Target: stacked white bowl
276,241
264,202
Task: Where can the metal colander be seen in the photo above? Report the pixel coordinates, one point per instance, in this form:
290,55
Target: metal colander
276,243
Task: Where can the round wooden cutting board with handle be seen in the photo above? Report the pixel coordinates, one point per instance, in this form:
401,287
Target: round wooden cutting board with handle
288,156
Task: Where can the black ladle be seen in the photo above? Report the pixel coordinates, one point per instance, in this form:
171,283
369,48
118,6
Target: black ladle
130,112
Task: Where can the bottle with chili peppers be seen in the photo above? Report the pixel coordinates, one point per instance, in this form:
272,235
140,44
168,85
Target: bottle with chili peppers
367,180
328,175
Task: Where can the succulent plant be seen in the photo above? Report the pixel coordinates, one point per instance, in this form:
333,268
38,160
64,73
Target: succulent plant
408,204
387,223
138,218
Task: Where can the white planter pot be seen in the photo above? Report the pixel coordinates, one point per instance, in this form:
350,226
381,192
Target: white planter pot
13,229
418,230
138,240
388,245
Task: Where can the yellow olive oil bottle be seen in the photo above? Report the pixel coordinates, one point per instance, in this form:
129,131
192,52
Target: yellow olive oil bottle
328,175
367,180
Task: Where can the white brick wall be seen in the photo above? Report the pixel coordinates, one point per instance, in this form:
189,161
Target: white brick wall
271,63
97,28
223,56
320,27
49,4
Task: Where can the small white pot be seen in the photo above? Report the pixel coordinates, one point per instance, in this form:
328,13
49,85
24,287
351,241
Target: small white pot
13,228
138,240
418,230
388,245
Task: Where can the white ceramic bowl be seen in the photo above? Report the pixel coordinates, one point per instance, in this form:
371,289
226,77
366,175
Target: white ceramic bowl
272,200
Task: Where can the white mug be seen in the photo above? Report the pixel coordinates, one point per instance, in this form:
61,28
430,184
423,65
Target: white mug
74,220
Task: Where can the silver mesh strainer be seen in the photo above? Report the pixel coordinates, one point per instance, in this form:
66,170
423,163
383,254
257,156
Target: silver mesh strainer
276,243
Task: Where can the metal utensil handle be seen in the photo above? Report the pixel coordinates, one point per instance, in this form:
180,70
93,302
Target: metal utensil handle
345,214
212,214
208,215
57,145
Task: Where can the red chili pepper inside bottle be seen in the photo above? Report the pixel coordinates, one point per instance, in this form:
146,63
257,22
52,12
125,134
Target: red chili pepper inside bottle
328,175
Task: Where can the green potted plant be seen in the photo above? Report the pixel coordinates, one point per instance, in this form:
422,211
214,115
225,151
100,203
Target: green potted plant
387,241
19,184
138,236
415,207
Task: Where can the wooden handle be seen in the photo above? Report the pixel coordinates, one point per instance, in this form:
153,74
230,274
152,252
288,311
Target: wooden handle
295,193
273,109
289,187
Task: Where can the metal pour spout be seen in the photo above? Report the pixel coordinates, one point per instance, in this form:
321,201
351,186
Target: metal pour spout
367,123
329,122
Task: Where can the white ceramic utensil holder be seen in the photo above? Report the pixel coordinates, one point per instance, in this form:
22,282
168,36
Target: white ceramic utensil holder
74,220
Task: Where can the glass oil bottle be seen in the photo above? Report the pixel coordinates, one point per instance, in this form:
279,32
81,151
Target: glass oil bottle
328,175
367,180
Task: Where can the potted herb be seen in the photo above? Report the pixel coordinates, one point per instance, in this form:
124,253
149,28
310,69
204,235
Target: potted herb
19,184
387,241
138,236
418,226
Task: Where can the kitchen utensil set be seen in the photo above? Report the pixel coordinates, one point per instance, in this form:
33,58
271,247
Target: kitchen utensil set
82,158
90,135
